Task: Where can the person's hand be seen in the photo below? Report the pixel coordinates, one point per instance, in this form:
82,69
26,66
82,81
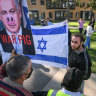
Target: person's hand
13,53
67,68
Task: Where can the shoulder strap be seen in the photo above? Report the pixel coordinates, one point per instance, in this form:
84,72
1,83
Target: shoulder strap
86,59
54,93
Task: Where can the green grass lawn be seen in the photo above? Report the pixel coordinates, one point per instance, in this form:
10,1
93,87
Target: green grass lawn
92,51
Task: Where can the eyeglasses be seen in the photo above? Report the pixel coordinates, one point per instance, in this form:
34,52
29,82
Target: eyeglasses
30,72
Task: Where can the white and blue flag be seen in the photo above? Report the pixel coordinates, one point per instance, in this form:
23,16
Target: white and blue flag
51,45
26,22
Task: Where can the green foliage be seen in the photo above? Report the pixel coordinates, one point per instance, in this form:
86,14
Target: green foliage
91,3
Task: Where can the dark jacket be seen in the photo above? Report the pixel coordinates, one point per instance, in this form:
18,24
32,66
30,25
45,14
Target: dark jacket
26,36
40,93
93,22
78,60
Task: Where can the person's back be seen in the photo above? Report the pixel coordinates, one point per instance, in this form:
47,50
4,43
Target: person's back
8,90
50,23
89,30
18,68
71,82
13,73
88,35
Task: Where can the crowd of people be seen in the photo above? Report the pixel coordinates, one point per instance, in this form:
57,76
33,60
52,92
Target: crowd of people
88,31
46,22
18,67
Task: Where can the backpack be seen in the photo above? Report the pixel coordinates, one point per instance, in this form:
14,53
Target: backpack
87,72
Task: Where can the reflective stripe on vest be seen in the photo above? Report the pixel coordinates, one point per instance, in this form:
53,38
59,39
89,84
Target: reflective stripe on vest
57,93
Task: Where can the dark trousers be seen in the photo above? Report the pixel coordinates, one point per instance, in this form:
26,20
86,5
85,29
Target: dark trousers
80,30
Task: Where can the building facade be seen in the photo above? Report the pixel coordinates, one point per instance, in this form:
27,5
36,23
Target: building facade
41,9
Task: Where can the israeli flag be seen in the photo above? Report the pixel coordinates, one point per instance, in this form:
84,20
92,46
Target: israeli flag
51,45
25,15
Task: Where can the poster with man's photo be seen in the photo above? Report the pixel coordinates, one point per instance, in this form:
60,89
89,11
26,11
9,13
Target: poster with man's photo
15,29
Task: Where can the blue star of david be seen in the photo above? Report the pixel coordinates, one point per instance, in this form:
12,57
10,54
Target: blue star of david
42,42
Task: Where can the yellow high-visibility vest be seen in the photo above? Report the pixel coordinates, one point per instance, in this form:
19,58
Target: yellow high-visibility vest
57,93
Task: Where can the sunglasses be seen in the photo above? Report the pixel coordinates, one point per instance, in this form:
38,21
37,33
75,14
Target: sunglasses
29,73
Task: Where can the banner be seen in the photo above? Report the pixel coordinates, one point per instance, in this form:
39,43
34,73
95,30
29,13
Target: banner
16,31
51,45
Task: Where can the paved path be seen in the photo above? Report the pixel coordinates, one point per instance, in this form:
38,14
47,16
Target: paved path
46,77
74,27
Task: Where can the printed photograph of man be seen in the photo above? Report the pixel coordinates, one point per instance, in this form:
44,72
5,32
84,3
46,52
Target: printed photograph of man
14,36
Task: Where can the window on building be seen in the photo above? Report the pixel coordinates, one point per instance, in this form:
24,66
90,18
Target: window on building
83,4
60,15
88,5
65,14
42,2
48,3
86,15
52,6
71,15
50,14
63,4
77,4
72,4
59,5
77,15
34,14
42,15
33,2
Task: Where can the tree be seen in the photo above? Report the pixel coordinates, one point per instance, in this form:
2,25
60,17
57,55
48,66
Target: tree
92,3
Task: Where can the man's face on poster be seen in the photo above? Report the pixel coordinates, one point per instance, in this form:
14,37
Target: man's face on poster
10,15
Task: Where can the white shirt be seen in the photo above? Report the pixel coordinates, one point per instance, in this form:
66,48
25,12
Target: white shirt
5,55
71,93
89,31
17,47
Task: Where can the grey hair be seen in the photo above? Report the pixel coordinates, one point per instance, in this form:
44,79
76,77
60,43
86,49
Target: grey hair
16,66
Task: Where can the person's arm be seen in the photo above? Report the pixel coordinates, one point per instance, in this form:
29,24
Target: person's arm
5,55
83,21
89,65
3,72
67,68
78,21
